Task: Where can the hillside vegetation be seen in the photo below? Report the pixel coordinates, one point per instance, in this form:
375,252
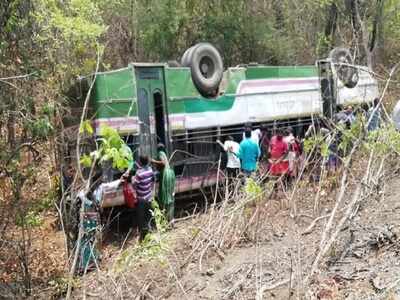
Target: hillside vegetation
46,44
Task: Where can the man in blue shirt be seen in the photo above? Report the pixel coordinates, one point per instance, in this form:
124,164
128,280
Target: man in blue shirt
249,152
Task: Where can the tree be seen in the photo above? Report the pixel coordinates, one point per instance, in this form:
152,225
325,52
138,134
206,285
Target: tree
44,44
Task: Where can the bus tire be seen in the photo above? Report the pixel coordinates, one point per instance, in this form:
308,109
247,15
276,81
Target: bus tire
348,75
186,57
186,60
206,68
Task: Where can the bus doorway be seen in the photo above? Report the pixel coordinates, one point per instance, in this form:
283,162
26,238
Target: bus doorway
159,117
152,109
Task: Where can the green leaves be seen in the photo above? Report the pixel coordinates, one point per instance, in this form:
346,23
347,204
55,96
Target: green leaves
120,157
86,161
40,128
384,141
315,142
352,134
31,219
324,150
86,127
111,137
253,189
153,247
76,20
111,148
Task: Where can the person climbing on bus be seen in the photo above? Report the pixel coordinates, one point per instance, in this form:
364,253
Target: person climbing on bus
249,153
166,184
144,186
233,165
278,150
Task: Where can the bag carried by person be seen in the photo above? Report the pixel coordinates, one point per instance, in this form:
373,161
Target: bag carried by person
129,195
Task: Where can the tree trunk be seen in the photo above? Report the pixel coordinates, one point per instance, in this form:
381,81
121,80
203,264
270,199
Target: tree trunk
279,16
330,29
360,33
376,42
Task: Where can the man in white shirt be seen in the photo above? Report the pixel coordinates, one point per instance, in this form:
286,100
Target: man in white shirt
233,164
255,134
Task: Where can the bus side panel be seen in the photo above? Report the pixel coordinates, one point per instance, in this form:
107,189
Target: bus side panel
114,100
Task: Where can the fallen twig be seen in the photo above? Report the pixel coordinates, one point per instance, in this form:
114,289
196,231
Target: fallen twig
310,228
273,286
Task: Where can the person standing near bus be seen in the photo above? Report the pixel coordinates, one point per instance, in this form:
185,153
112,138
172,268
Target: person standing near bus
278,150
233,165
144,185
293,151
264,141
249,152
255,134
166,184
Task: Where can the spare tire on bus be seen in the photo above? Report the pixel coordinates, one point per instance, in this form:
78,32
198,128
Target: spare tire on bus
187,56
346,73
206,67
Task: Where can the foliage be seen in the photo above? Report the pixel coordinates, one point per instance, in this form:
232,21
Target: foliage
153,247
348,136
86,127
253,189
112,148
44,43
72,28
384,140
244,31
241,30
41,127
31,219
159,218
318,144
51,42
86,161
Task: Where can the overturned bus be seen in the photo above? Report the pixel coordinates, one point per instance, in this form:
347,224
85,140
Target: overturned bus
189,106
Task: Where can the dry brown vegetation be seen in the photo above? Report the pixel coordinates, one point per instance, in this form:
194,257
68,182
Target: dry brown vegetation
253,246
241,247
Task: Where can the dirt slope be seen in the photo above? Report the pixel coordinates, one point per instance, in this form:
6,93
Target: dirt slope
272,259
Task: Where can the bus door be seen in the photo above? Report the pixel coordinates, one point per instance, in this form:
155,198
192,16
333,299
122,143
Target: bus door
152,109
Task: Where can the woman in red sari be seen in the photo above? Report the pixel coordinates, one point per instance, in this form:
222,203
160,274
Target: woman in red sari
278,149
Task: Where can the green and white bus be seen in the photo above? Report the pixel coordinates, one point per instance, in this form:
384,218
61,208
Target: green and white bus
188,106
